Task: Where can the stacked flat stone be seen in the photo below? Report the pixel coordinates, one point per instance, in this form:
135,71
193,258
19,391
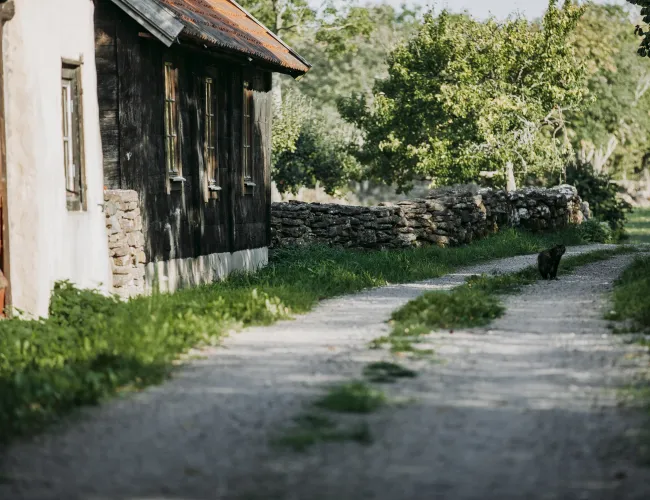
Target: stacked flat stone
448,216
125,241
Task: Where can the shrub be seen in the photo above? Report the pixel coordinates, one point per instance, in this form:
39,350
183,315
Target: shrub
600,192
596,231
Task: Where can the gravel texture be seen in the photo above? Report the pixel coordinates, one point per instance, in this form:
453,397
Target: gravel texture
523,410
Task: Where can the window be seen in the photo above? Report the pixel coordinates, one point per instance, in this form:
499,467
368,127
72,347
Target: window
247,137
172,153
210,140
71,114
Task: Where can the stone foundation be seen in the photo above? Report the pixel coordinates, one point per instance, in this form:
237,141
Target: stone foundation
448,216
125,241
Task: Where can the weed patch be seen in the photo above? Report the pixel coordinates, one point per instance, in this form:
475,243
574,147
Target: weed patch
352,397
312,428
386,372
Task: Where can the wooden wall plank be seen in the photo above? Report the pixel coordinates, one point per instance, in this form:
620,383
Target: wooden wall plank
107,83
182,223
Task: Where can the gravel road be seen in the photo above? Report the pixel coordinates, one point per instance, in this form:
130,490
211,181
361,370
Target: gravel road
523,410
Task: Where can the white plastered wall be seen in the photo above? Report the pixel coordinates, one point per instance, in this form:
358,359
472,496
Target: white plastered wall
174,274
46,241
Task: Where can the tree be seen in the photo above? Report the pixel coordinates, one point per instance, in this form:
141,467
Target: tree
305,151
465,96
644,48
336,75
333,27
613,130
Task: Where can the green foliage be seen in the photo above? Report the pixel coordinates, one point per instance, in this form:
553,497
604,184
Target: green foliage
644,47
334,26
612,131
92,346
600,192
464,96
462,307
340,75
386,372
306,150
340,26
312,428
596,231
631,298
289,119
352,397
638,226
309,145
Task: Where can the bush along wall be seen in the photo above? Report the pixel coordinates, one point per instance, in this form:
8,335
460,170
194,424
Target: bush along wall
448,216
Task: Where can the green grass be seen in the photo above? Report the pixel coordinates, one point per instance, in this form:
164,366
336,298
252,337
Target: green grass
352,397
631,307
638,226
473,304
386,372
631,296
312,428
92,346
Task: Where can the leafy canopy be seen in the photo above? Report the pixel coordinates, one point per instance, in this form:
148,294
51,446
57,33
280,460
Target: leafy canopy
308,143
644,48
464,96
612,131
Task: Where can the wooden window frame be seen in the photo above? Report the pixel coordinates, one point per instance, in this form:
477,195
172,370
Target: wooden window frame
210,125
72,135
172,128
247,141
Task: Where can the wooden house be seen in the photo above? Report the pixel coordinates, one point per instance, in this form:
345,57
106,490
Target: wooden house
184,91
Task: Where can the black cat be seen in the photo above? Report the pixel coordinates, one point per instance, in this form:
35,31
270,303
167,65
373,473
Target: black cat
549,260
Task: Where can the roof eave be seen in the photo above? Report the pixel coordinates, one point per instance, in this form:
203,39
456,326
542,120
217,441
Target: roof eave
276,37
239,55
154,17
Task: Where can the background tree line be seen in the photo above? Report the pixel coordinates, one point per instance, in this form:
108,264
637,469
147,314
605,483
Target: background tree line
398,95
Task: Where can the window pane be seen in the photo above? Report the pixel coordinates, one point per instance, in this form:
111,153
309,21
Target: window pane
72,136
66,159
171,120
64,109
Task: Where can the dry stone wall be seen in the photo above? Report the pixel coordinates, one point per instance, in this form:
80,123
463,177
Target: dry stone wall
125,241
449,216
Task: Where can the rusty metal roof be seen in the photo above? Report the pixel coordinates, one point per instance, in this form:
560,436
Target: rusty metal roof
225,24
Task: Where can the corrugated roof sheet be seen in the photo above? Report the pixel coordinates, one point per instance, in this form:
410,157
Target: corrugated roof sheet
225,24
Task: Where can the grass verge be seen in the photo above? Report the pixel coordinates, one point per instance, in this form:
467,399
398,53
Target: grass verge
638,226
631,296
93,346
475,303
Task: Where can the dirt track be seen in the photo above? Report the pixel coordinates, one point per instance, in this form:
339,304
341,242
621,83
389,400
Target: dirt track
523,410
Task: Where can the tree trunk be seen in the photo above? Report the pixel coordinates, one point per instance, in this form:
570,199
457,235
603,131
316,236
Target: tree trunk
276,93
511,184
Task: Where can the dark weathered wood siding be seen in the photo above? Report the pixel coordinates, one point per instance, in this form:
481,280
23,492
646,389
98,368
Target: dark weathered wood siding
182,223
106,62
